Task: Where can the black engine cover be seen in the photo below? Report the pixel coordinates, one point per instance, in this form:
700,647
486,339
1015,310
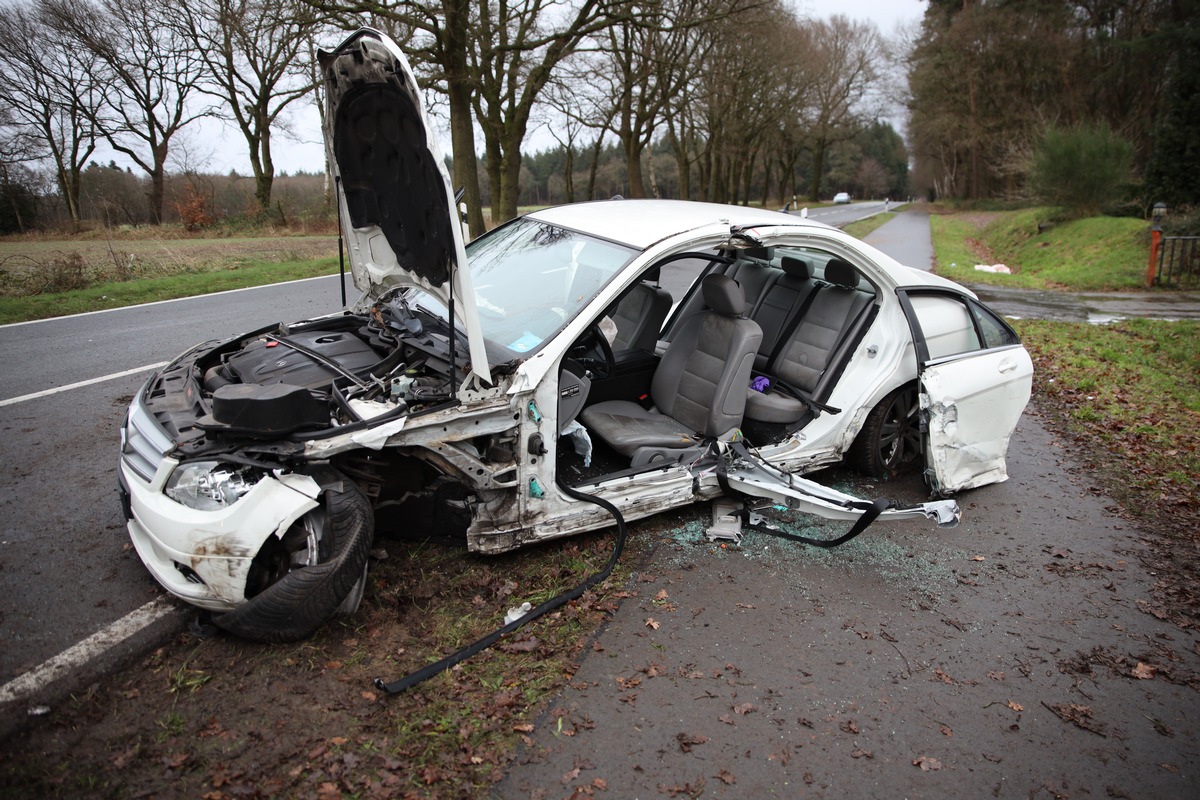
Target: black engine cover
267,361
265,410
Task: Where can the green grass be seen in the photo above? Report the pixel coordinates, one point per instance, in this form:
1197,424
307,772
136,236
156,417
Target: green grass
1131,392
115,294
863,227
1093,254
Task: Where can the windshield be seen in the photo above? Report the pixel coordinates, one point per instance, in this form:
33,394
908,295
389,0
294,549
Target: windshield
531,278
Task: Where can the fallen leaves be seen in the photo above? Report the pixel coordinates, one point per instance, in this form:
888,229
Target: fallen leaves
1015,706
742,709
1079,715
940,675
1143,672
927,764
651,623
689,740
687,789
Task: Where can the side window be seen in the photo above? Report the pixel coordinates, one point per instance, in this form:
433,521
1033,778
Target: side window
946,324
996,332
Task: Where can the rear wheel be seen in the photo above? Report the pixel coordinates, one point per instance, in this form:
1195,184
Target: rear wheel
890,439
316,570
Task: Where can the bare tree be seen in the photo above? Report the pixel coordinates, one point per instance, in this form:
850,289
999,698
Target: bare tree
844,57
255,55
49,96
153,71
436,36
493,57
649,58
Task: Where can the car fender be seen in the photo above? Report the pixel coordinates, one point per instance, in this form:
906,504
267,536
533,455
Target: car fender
203,557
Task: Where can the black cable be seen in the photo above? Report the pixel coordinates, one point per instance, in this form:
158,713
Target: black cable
425,673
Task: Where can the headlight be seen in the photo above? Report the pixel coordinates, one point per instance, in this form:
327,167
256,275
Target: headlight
211,485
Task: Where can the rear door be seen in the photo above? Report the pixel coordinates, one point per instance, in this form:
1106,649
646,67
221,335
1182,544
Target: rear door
975,378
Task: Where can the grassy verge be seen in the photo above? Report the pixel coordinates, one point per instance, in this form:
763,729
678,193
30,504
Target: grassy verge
115,294
1094,254
863,227
1129,395
222,718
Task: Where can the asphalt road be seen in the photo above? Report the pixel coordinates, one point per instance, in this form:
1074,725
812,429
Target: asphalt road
66,566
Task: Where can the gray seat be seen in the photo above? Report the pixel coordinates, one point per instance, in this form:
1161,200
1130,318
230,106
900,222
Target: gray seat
782,304
698,389
639,317
812,345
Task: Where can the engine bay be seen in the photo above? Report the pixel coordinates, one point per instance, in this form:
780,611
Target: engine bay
307,380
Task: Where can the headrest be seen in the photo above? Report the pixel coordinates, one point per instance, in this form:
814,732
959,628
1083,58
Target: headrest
723,295
796,268
841,273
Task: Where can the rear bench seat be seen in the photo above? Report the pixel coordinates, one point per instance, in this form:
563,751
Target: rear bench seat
822,315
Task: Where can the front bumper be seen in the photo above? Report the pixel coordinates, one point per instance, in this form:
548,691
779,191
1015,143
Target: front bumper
203,557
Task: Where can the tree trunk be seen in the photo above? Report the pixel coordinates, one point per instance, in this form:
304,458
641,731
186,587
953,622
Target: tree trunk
650,174
466,164
633,168
818,166
591,184
157,191
462,123
766,195
510,180
569,172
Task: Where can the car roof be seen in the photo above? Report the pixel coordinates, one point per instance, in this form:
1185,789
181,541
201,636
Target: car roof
641,223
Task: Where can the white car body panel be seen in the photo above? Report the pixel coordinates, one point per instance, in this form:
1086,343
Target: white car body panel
373,262
972,415
218,545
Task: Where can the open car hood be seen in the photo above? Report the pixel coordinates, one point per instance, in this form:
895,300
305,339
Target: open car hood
393,191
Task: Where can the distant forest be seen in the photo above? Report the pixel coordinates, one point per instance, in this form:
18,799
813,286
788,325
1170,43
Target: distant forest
740,101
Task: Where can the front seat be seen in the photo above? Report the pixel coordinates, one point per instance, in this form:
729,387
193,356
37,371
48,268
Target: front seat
698,389
640,316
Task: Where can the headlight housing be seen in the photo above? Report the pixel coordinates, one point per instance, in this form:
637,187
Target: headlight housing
211,485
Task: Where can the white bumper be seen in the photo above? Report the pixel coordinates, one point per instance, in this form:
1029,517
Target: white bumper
203,557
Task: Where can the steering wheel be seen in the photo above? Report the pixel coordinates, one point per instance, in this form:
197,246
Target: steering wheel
606,351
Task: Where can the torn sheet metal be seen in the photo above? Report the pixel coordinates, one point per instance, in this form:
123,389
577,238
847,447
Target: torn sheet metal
752,476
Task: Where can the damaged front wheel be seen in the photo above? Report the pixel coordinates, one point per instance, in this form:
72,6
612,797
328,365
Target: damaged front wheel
315,570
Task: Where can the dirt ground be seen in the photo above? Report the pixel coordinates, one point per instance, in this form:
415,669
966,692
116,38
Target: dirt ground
1018,655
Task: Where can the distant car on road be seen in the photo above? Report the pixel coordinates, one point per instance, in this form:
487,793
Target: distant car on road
841,198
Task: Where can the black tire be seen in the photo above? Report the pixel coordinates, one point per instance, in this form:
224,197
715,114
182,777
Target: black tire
302,599
890,439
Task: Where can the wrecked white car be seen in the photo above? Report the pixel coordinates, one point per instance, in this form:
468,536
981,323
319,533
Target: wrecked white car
648,353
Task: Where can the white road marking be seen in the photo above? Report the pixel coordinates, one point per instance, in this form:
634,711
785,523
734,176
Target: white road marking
79,654
163,302
12,401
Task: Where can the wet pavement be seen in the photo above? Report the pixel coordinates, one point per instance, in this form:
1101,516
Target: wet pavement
906,238
1008,657
1096,307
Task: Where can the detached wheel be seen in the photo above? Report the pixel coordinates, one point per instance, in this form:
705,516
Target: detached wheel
317,570
890,439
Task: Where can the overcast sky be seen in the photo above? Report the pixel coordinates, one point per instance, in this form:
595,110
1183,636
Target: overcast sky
210,147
